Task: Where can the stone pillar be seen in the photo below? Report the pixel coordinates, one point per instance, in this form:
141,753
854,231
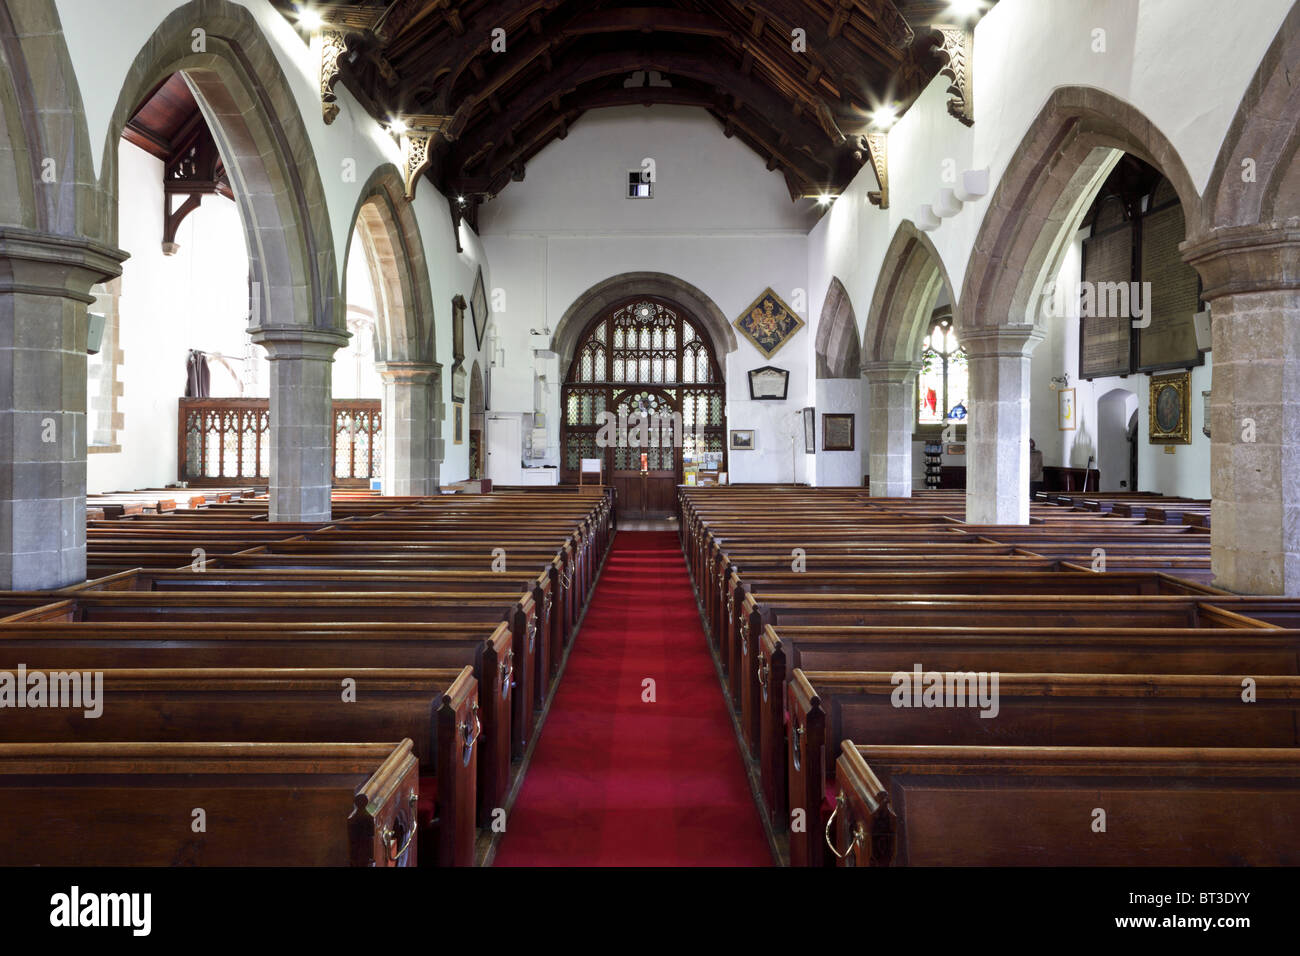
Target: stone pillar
45,285
891,389
302,419
1251,278
997,428
411,395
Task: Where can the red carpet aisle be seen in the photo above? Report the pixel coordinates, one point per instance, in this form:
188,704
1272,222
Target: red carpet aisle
618,782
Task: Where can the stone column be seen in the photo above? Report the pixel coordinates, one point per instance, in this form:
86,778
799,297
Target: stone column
997,427
891,389
45,285
411,393
302,419
1251,278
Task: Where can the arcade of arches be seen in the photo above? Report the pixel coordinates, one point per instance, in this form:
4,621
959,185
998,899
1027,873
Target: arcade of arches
407,276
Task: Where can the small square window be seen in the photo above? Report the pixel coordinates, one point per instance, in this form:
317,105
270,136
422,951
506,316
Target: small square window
639,187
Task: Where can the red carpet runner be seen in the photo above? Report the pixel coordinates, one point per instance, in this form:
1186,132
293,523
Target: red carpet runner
615,781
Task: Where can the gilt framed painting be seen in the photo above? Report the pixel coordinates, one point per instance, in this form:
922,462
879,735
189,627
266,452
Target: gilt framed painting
1170,409
837,433
768,323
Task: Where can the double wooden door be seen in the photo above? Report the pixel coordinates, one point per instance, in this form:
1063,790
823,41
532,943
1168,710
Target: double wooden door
652,439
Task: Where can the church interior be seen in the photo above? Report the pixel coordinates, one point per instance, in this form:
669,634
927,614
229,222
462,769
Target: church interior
533,433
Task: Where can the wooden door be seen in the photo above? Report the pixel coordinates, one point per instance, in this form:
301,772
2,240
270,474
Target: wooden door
654,423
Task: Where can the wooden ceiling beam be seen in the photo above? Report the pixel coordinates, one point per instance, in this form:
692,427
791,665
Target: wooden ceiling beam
761,98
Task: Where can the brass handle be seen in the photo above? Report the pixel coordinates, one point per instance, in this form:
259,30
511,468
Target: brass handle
471,739
388,835
857,831
744,636
508,674
532,632
763,673
796,747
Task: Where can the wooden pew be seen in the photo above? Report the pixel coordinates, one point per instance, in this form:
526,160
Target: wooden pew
265,804
1036,806
133,645
437,709
1155,710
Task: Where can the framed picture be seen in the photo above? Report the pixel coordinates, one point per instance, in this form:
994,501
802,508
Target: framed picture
837,433
478,308
458,423
768,384
742,439
1170,409
810,430
458,378
768,323
1065,412
458,327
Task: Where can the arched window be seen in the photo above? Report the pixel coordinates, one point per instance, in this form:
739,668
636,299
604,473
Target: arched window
645,356
942,386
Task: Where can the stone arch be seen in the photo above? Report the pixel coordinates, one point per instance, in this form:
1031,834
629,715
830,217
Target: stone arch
838,351
250,108
1043,195
912,278
43,123
386,226
1265,130
658,284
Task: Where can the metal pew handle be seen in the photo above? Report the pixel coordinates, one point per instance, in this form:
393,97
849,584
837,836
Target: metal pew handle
471,739
508,673
857,831
388,835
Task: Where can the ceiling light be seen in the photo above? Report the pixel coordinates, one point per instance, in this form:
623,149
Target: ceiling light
460,200
398,126
310,20
825,199
884,117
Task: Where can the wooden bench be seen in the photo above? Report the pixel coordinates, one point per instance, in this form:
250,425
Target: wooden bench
264,804
77,647
1036,806
1081,710
437,709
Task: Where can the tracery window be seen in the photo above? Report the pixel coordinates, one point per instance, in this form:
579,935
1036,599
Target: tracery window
643,356
943,383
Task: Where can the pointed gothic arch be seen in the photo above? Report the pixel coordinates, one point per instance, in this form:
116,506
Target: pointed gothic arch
837,346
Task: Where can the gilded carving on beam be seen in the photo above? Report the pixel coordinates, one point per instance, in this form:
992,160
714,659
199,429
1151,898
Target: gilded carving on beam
957,49
878,149
417,141
333,44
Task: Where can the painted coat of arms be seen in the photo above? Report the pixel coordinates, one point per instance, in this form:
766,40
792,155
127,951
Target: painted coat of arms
769,323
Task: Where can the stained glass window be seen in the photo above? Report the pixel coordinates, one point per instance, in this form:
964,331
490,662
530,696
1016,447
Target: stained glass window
942,385
651,346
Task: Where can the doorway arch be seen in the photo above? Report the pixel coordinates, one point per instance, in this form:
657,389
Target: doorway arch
644,392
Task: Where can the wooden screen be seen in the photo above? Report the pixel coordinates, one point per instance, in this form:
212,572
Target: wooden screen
644,354
224,440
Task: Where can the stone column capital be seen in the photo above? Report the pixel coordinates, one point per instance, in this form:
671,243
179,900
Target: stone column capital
1238,260
42,263
299,342
1003,341
409,373
886,373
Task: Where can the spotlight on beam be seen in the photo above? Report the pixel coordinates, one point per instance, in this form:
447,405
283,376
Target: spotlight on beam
310,20
398,126
884,117
825,199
